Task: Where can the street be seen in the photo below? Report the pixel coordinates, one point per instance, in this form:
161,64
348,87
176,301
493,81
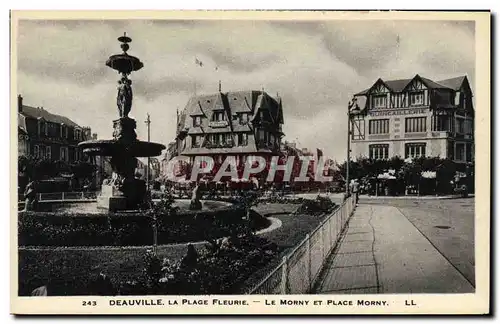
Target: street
447,223
404,246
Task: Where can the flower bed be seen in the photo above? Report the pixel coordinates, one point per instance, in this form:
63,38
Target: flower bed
66,229
218,267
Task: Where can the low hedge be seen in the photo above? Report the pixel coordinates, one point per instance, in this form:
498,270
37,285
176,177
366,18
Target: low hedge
67,229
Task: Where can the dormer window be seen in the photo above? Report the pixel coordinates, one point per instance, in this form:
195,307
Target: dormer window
379,101
196,121
77,134
64,131
42,128
219,116
243,119
417,98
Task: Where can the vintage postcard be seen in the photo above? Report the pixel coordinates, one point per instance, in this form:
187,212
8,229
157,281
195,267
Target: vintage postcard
250,162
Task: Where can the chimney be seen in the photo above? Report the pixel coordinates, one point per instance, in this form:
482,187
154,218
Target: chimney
19,103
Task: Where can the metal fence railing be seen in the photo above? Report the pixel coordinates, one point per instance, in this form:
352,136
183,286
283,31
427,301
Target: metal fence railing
299,269
67,196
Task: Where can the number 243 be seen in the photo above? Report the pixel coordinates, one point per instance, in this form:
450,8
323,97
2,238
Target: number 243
89,303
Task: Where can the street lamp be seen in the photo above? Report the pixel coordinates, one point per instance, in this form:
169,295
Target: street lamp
148,123
154,219
349,106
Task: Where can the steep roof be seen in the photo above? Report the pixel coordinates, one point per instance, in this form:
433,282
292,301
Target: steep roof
400,84
454,83
397,85
432,84
249,101
33,112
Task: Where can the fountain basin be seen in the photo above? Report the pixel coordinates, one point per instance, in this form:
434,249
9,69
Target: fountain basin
114,147
90,207
124,63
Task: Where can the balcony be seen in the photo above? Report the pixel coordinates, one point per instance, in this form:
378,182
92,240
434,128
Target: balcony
440,134
224,144
218,124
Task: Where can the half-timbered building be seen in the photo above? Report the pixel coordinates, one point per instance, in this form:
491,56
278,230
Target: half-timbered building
414,117
242,124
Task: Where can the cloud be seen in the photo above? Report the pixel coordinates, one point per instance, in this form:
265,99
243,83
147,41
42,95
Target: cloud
315,66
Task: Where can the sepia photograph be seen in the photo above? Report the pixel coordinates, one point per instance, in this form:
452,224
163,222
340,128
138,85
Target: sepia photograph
184,155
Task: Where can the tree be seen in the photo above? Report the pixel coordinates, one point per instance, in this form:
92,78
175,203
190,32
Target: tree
82,170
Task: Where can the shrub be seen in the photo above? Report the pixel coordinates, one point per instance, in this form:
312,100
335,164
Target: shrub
319,206
219,269
65,229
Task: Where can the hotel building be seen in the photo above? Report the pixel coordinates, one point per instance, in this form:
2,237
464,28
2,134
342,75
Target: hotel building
414,117
241,124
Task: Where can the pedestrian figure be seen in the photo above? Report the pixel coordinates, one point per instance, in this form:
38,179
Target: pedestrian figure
355,190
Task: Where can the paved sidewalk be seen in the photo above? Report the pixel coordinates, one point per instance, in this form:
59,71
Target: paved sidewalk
429,197
382,252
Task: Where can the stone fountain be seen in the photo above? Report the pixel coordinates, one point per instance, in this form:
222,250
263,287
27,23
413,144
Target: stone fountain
123,191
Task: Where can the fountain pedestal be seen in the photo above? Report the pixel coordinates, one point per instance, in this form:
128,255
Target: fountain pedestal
123,191
113,199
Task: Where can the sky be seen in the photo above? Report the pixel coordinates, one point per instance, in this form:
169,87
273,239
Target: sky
315,66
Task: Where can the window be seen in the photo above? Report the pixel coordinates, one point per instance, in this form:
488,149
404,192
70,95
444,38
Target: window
64,153
414,150
378,126
36,151
468,152
460,151
77,133
260,134
48,152
196,140
64,131
42,128
468,126
219,116
196,121
212,138
243,118
416,98
460,125
442,123
379,151
416,124
457,98
379,101
77,155
242,139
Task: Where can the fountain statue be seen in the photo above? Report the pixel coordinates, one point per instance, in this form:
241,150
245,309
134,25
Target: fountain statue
195,203
123,191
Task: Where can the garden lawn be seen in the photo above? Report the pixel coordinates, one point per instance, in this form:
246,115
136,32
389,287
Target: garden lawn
293,230
72,269
294,227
